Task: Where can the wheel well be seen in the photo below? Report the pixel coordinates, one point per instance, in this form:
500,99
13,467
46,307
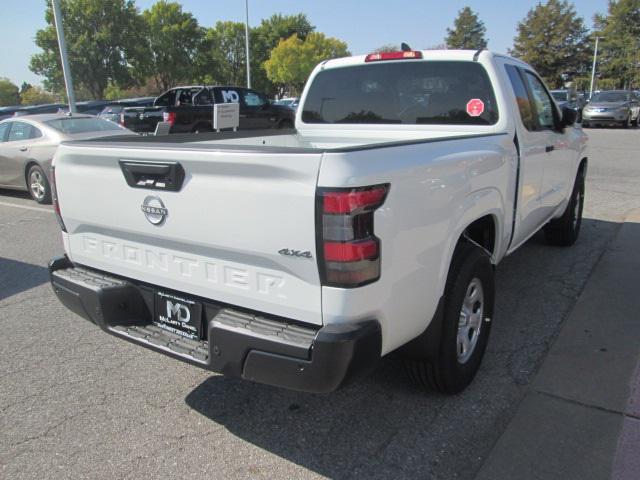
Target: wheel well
583,166
206,124
482,232
30,164
286,121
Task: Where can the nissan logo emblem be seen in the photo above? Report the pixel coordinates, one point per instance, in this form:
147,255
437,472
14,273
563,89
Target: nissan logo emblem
154,210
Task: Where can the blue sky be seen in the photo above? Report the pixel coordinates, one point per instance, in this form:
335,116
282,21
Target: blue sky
364,25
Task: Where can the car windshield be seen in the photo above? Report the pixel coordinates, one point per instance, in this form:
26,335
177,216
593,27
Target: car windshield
560,96
73,125
610,97
437,92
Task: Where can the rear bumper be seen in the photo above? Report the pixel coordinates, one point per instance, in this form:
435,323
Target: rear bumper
261,348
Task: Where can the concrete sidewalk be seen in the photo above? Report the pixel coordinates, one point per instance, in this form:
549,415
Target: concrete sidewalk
580,418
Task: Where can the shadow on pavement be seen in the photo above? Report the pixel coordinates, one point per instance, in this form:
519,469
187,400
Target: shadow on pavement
16,277
15,194
384,427
331,434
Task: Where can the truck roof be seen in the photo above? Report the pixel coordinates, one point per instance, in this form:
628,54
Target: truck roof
460,55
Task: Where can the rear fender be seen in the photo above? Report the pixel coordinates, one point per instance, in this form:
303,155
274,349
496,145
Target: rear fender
481,203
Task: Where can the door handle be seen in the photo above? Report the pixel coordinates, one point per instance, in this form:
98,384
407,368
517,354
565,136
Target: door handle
549,148
23,149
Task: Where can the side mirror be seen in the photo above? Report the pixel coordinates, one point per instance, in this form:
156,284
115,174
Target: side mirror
569,116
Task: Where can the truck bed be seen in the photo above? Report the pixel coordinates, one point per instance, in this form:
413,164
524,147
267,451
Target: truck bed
277,141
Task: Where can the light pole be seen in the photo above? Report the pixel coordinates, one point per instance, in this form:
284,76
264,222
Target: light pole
593,69
246,38
66,71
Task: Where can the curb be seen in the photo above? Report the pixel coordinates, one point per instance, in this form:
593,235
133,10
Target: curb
577,419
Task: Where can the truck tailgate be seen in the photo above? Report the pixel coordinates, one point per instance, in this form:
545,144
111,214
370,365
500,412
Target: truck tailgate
222,233
142,119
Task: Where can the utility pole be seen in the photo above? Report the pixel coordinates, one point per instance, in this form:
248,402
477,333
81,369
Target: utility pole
593,69
246,38
66,71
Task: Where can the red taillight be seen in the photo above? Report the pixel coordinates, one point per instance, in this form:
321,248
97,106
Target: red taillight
348,250
55,201
352,201
169,117
376,57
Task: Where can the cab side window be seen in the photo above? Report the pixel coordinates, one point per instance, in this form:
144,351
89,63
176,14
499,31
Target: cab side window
222,95
4,131
22,131
166,100
522,98
204,98
542,102
252,99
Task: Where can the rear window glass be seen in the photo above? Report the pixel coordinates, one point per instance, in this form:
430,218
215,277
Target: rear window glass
82,125
445,93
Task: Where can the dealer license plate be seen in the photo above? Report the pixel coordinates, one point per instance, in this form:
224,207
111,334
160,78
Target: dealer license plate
178,315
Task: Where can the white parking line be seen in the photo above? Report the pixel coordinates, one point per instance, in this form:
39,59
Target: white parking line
6,204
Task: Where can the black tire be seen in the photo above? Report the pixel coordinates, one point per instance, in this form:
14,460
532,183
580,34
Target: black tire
628,123
448,372
585,124
564,231
202,128
38,185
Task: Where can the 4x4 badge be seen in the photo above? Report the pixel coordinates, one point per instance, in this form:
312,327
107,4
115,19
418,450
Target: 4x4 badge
295,253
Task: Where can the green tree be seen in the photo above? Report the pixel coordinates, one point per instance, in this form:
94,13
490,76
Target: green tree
103,41
266,36
619,50
468,31
224,54
293,59
222,57
553,39
36,96
8,93
24,87
390,47
174,39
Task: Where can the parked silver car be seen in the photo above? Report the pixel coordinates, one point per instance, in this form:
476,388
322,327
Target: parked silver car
612,107
27,146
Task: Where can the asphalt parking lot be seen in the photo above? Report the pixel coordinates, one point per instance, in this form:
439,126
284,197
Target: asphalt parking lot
77,403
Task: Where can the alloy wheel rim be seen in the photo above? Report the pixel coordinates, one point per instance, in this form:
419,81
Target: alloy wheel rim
470,321
37,184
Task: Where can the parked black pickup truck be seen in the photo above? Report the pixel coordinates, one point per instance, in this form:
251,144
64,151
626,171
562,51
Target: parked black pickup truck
190,109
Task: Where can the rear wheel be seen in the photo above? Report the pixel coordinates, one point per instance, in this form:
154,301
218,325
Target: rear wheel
564,231
466,322
202,127
38,184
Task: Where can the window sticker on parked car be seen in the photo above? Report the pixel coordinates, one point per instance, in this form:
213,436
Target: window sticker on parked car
230,96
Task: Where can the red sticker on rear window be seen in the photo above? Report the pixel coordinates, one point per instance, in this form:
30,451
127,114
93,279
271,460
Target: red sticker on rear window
475,107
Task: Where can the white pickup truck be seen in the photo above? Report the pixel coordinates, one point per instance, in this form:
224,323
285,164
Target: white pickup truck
300,258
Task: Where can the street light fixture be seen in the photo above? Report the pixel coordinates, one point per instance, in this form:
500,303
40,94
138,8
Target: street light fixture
246,38
593,69
66,71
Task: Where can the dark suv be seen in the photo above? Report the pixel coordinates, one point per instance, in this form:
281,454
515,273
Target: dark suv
190,109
